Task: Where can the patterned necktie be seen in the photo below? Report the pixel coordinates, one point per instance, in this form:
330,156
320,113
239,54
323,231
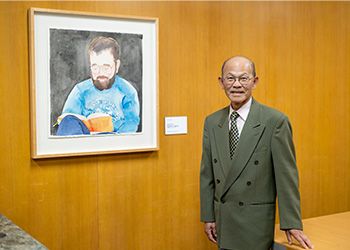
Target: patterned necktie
233,133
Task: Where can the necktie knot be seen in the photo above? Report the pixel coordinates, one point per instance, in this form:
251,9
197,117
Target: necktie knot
234,116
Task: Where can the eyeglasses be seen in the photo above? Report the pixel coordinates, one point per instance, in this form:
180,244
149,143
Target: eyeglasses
105,68
243,80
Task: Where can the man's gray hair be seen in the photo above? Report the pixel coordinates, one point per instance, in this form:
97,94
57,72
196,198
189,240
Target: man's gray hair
250,61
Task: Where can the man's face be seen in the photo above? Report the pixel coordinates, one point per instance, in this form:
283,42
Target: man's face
238,81
103,69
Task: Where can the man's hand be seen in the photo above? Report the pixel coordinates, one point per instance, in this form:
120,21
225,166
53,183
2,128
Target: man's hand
210,231
300,237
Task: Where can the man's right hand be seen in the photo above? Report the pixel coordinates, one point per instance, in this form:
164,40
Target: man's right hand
210,231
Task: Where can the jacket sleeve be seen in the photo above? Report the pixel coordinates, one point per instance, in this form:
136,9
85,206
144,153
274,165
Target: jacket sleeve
286,175
206,179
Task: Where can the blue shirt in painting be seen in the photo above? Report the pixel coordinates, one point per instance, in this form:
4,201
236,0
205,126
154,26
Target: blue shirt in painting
120,102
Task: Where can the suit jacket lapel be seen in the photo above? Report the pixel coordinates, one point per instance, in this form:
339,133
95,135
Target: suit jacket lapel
222,141
248,140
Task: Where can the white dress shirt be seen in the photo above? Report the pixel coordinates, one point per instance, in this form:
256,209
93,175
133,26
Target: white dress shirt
243,114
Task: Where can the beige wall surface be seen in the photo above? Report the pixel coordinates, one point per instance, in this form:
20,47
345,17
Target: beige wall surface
150,200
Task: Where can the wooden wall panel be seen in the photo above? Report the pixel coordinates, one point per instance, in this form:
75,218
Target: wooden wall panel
150,200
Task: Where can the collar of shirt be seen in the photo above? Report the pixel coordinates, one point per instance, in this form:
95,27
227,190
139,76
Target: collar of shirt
243,114
242,111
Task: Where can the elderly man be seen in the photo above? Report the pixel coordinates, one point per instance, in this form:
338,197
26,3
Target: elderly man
248,158
105,102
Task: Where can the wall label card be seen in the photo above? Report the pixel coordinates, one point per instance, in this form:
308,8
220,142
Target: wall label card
175,125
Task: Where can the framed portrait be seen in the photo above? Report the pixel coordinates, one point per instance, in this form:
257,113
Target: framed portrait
94,83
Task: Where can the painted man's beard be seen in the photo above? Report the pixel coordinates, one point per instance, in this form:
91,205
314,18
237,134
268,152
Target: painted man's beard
102,82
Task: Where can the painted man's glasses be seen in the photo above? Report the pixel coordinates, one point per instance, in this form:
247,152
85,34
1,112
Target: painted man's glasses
105,68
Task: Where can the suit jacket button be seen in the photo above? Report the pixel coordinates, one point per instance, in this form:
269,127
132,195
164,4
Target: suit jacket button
249,183
256,162
241,203
215,160
217,181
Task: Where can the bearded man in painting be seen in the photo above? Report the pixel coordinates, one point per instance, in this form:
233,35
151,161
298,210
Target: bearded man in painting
104,103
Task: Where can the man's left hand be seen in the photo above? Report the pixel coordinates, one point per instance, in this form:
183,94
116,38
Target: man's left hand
300,237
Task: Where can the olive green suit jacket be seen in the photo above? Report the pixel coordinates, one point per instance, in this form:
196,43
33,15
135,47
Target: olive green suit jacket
240,194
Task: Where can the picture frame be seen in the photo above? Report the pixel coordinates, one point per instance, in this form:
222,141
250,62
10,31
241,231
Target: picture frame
62,51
